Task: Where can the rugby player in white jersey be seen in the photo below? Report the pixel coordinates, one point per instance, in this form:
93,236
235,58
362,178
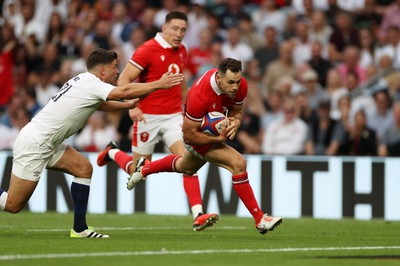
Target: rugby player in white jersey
40,143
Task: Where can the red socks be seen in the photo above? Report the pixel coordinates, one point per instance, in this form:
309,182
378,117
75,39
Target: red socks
166,164
192,189
123,160
245,192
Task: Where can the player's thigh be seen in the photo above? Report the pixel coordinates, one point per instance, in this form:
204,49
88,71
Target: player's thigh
70,161
171,133
19,193
146,135
189,164
227,157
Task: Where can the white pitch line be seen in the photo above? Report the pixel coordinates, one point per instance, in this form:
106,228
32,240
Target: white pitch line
138,228
181,252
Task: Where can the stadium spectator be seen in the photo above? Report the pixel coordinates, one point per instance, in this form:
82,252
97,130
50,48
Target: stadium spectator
283,66
391,18
121,25
102,35
301,44
390,142
342,36
78,65
199,55
9,134
248,33
46,8
26,26
318,63
325,135
231,13
392,48
320,30
268,16
287,135
381,119
136,9
360,140
333,82
146,22
197,23
219,34
227,88
8,45
68,47
96,134
55,29
351,63
274,105
137,38
45,88
299,6
15,103
368,16
40,143
269,51
315,93
159,115
29,101
367,48
167,6
11,11
235,48
303,109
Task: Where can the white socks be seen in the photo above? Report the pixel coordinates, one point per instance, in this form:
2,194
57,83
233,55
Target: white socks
196,209
3,200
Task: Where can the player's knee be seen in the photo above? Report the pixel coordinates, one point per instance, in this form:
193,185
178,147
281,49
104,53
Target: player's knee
86,170
14,208
239,165
189,172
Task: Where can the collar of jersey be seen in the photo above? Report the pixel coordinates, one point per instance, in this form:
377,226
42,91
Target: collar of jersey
161,41
214,85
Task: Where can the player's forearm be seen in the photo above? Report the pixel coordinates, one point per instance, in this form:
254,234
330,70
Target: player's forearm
114,106
138,90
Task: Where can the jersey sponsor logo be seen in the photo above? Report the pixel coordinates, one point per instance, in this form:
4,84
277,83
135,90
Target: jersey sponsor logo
144,136
173,68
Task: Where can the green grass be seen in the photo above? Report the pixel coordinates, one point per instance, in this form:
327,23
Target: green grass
150,240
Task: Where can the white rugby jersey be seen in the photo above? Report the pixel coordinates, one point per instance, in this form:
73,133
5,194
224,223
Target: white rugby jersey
69,109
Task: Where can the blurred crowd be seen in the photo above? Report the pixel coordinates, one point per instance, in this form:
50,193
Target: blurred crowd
323,75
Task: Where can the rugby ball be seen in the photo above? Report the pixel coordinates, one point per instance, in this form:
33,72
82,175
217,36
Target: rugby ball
213,123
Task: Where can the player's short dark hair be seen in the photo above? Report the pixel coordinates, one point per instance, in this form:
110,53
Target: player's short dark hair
175,15
100,56
229,64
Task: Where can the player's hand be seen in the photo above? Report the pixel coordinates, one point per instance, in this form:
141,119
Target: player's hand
233,127
169,80
130,104
136,115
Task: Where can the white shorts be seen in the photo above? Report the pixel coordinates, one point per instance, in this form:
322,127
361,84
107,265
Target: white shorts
31,158
167,128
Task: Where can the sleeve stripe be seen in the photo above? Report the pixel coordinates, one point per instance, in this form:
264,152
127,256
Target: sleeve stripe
136,64
193,118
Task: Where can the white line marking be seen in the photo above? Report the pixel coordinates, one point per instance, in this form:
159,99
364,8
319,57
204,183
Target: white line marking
139,228
181,252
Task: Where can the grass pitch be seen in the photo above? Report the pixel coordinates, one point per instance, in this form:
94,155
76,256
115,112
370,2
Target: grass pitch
139,239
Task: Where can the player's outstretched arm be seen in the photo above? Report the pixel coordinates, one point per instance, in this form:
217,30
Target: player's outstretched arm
138,90
118,105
